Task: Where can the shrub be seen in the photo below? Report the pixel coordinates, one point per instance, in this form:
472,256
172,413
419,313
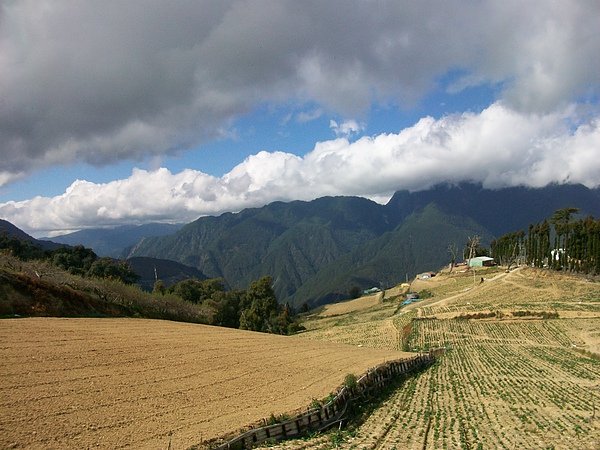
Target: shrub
425,293
350,381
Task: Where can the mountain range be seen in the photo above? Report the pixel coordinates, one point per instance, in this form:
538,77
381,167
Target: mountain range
316,251
114,242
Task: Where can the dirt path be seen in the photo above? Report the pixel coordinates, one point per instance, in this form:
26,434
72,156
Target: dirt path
116,383
446,300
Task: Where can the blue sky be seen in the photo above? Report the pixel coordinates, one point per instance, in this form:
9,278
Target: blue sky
140,111
267,127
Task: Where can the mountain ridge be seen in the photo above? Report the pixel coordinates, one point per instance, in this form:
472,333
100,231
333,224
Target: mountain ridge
114,242
326,243
13,231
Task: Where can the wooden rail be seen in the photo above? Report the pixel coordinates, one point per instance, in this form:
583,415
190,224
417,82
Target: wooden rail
318,419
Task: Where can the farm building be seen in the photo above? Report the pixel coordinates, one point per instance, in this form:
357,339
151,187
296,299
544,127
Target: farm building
426,275
481,261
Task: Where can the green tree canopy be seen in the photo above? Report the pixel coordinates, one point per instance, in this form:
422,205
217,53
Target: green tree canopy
113,269
262,307
197,291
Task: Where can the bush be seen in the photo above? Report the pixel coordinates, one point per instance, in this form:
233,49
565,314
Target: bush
350,381
425,293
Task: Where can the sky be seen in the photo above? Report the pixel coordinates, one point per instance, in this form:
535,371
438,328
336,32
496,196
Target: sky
136,111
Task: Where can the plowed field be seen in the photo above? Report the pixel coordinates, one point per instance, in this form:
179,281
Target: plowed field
504,382
114,383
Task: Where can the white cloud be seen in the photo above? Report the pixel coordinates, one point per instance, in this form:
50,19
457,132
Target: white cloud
498,147
100,82
347,128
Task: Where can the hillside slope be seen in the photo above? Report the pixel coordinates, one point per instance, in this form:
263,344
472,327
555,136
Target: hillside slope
154,384
169,272
417,245
12,231
521,367
40,289
289,241
315,251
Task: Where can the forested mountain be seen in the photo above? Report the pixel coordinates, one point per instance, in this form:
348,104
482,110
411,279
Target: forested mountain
114,241
419,244
289,241
500,210
11,231
316,251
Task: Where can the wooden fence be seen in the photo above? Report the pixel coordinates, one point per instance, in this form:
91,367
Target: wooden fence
318,419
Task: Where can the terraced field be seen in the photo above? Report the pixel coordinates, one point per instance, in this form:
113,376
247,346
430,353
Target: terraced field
365,322
505,381
116,383
509,378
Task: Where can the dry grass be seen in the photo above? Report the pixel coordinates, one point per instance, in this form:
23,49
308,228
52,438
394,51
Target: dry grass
350,306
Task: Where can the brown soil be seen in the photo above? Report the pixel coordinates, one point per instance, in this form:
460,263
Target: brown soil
114,383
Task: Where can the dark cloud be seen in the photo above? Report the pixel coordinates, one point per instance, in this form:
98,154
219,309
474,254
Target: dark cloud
105,81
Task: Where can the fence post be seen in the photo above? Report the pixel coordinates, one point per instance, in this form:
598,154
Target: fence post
375,378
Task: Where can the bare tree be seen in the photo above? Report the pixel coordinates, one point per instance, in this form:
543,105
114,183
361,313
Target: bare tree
472,245
453,251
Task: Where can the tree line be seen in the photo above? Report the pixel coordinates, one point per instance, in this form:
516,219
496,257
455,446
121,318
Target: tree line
76,260
559,242
255,308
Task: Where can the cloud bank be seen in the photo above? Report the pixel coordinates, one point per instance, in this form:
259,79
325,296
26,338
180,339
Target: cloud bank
100,82
497,147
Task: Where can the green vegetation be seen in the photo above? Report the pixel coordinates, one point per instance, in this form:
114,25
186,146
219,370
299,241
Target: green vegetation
424,294
559,243
73,281
417,245
259,310
275,419
24,250
39,288
350,381
77,260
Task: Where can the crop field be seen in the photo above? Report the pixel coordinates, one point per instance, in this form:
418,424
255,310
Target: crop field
525,289
371,326
505,381
115,383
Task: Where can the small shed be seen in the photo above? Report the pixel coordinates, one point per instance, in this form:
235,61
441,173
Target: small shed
426,275
481,261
